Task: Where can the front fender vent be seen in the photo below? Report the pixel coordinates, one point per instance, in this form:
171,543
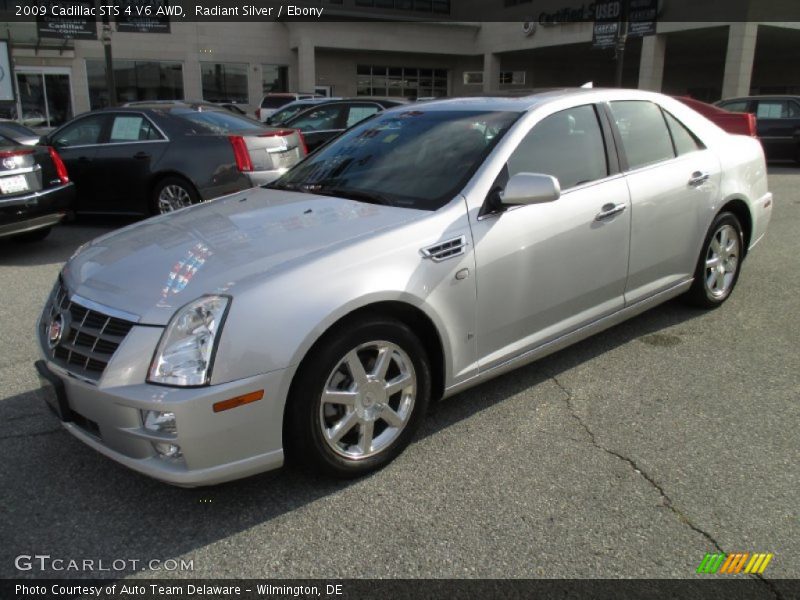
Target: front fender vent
447,249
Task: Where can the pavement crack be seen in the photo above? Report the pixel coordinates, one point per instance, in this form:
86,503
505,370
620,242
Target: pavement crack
666,501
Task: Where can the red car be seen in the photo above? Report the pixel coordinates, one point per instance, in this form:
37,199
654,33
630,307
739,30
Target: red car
732,122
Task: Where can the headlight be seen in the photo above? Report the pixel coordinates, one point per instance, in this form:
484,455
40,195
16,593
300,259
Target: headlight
186,351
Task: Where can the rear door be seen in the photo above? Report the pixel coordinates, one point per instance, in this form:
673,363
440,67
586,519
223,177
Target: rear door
77,143
673,181
124,163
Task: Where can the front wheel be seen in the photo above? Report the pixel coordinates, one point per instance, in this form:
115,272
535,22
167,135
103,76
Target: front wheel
719,263
358,398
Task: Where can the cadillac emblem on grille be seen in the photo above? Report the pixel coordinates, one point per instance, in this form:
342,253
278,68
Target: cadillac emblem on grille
56,330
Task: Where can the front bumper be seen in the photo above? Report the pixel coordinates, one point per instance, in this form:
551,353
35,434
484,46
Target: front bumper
216,447
21,214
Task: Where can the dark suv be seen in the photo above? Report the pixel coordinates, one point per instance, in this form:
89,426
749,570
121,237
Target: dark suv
777,122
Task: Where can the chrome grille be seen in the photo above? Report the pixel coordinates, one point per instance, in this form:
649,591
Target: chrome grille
89,339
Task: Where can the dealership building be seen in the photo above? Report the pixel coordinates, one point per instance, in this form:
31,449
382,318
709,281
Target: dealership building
399,48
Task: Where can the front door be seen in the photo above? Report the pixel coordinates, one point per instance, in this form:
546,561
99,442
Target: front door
545,270
124,164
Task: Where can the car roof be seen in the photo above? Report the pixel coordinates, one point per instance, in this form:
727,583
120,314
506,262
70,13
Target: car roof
528,101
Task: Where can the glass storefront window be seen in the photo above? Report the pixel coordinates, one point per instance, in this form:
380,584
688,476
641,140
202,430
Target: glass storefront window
44,99
407,82
274,78
135,80
224,82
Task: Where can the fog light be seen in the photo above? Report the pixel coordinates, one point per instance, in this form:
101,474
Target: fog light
167,450
159,422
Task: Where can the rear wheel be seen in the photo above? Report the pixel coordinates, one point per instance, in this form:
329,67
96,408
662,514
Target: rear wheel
719,263
171,194
358,398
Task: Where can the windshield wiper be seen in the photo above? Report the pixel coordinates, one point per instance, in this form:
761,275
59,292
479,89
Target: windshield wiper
353,194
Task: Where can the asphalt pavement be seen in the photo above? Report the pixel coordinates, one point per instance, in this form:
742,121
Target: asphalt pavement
631,454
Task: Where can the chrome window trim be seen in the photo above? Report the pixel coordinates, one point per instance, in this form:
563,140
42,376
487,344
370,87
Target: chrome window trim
114,115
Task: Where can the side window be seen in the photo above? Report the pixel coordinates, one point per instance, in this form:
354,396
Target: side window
735,105
568,145
359,113
82,132
645,137
685,141
318,119
132,128
777,109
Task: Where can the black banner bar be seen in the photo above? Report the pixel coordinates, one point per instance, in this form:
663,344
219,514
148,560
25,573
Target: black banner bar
730,588
544,12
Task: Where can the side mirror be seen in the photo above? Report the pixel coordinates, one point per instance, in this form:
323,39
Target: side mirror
530,188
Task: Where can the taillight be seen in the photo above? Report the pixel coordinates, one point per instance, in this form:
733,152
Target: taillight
240,153
10,153
287,133
61,168
302,142
751,124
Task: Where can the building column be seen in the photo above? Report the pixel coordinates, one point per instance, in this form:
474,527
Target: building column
491,72
306,67
739,59
651,63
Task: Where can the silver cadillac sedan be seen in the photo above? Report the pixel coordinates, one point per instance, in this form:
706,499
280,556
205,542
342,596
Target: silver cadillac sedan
424,251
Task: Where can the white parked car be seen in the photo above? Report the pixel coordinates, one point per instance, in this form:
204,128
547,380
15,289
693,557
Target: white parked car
424,251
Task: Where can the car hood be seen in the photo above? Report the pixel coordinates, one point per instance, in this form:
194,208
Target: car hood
153,267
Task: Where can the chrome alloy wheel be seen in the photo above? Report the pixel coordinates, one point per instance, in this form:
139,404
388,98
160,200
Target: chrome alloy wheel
173,197
722,261
367,400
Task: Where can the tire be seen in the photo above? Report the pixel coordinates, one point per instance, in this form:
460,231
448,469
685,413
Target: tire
329,392
172,193
37,235
724,247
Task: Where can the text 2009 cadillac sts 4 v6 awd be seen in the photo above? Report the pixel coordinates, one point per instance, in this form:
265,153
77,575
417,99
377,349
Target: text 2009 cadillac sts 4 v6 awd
424,251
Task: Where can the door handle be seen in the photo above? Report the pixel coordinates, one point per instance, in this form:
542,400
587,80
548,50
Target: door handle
698,178
141,156
609,210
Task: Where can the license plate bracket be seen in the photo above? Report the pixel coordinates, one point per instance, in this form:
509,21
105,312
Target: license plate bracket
55,396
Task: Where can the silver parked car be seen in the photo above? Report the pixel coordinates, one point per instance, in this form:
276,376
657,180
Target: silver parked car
424,251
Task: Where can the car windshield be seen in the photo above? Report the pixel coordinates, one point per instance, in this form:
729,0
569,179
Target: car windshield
218,121
412,158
